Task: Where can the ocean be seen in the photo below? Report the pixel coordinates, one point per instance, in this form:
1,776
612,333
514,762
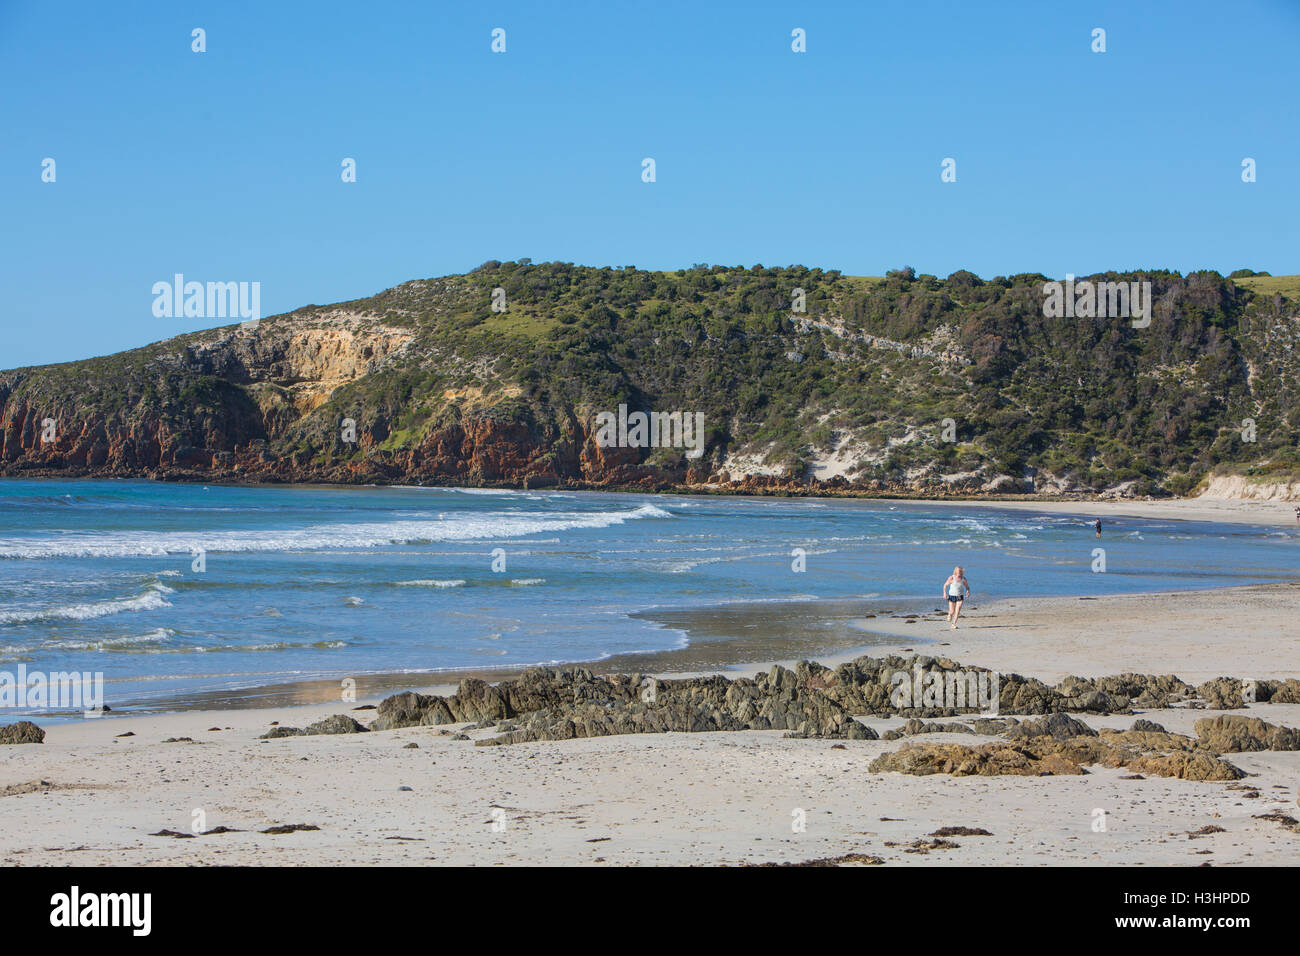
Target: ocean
177,590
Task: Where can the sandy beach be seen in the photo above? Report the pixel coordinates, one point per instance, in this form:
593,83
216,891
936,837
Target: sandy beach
1203,508
1245,632
98,792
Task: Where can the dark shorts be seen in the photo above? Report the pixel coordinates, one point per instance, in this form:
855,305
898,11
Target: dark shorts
954,600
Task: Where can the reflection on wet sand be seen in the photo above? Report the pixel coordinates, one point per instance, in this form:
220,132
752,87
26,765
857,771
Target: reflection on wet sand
722,637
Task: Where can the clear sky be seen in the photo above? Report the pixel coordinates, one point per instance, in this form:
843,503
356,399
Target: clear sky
225,165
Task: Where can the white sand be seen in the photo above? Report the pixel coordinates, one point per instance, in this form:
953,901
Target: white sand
1244,632
679,798
675,798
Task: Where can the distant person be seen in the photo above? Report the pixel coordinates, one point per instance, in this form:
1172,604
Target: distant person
1297,516
1096,526
955,590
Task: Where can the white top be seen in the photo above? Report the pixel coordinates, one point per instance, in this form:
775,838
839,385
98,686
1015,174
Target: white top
955,586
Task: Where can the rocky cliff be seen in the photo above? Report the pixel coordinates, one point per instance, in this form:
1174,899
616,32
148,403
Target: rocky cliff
804,379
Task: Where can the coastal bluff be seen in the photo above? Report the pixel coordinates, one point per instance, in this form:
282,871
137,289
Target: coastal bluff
803,381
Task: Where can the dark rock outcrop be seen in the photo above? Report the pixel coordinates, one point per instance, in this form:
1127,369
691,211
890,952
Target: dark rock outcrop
1278,691
23,732
1142,725
1222,693
916,726
282,731
811,701
559,704
337,724
1058,726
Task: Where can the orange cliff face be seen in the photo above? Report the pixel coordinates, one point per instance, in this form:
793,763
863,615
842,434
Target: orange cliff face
242,443
481,449
476,450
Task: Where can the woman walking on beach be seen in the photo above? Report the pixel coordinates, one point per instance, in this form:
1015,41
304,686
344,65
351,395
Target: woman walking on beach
955,589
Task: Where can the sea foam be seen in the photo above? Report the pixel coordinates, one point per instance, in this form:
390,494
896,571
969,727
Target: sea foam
461,527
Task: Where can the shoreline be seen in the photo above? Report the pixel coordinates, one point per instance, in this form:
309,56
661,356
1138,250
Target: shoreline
111,791
704,654
1265,512
908,626
721,654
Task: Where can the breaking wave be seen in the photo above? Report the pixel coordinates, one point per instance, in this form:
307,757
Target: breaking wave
154,597
462,527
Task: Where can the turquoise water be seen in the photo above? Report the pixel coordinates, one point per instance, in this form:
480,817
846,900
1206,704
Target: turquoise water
322,582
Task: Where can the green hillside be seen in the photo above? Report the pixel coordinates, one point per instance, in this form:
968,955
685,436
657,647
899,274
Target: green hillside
865,378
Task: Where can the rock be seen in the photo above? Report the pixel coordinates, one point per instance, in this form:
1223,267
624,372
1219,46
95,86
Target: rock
1278,692
1232,733
915,726
1148,740
560,704
282,731
959,760
411,746
410,710
808,701
1042,755
1146,690
1147,726
337,724
1059,726
1186,766
1222,693
476,701
23,732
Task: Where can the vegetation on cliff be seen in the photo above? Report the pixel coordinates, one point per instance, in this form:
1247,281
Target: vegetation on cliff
858,385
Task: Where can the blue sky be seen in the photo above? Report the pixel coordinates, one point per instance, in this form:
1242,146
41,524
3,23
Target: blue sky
225,165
